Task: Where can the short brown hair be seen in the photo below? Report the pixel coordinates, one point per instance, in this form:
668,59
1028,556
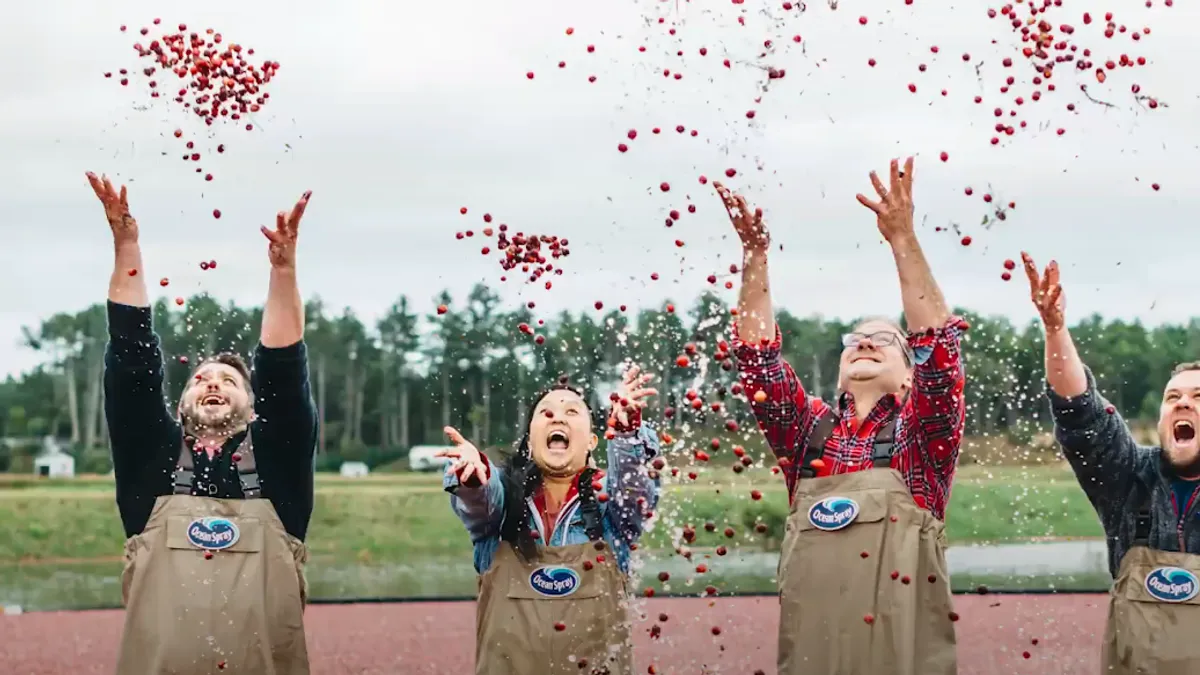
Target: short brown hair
1185,367
234,361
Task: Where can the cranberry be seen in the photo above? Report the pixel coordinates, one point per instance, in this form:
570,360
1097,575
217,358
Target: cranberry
664,186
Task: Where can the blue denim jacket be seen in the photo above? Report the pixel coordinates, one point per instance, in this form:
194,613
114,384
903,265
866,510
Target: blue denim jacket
625,480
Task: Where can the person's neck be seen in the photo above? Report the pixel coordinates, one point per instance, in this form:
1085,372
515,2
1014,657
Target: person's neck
212,443
864,403
556,488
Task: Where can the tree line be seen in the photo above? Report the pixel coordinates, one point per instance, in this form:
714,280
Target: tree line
475,365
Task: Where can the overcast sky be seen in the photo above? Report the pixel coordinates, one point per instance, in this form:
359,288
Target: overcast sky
396,114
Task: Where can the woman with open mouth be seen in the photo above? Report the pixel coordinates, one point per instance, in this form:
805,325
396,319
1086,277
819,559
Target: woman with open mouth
553,534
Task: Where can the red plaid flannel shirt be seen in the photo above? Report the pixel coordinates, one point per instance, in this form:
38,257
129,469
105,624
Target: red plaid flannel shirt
928,429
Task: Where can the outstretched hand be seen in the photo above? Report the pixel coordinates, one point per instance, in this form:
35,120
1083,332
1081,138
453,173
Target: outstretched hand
1046,293
282,249
468,463
116,209
748,224
894,210
630,399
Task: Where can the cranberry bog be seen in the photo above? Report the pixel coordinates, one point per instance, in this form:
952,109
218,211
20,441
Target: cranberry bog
997,634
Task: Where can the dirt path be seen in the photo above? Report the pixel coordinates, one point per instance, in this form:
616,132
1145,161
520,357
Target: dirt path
438,638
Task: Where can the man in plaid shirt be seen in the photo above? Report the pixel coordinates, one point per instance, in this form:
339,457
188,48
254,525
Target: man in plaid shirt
850,603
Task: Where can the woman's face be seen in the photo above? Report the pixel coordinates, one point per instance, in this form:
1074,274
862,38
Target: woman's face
560,433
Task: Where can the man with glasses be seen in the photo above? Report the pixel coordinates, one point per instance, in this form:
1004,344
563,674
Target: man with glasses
862,574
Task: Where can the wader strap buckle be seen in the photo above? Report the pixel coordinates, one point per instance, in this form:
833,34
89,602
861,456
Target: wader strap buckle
247,468
1141,528
881,453
885,445
817,440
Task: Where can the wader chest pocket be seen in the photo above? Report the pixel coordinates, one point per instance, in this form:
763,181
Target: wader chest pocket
215,533
1161,585
838,511
554,582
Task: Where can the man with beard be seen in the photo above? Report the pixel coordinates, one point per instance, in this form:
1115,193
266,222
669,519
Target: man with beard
1146,498
215,501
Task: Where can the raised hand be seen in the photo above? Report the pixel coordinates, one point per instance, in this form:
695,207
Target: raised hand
282,249
116,209
894,210
748,225
630,399
1046,293
468,463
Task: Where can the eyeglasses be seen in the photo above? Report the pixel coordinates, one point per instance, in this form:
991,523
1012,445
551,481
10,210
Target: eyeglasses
879,339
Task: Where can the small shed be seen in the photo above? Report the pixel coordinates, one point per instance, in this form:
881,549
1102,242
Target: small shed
52,462
354,469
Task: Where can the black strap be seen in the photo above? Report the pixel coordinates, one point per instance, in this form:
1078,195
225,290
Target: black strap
884,445
589,508
1141,528
247,468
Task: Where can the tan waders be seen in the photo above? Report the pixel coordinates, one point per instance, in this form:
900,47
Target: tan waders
214,585
1153,612
562,614
863,586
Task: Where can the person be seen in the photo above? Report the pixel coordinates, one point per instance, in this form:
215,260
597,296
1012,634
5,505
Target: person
862,573
215,499
1146,497
553,534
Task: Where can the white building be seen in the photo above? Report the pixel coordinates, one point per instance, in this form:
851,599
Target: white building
421,458
354,469
52,462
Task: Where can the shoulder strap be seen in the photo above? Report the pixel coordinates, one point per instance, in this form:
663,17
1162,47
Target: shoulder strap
589,507
1141,528
885,444
243,457
817,440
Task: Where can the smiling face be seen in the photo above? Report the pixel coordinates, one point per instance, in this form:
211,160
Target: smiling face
217,401
875,360
560,433
1179,421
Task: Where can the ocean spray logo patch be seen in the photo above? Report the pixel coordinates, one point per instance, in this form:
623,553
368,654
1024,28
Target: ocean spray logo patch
213,534
1172,584
833,513
554,582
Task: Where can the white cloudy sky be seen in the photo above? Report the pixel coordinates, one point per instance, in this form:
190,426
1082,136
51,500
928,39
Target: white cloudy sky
399,113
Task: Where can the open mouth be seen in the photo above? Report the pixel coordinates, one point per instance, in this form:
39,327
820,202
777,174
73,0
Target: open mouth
558,440
1183,431
213,399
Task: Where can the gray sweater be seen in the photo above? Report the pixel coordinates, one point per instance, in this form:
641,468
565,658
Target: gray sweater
1117,475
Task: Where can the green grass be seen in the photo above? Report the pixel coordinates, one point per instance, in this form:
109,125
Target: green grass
395,536
402,517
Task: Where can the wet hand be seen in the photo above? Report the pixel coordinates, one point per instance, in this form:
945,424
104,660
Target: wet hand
116,209
1046,293
748,225
894,210
468,463
282,248
630,399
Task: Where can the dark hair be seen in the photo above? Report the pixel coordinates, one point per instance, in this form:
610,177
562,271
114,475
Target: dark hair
232,360
522,477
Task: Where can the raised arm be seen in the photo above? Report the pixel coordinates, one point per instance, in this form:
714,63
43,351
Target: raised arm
283,315
476,488
782,409
936,408
134,404
285,426
1096,440
632,493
